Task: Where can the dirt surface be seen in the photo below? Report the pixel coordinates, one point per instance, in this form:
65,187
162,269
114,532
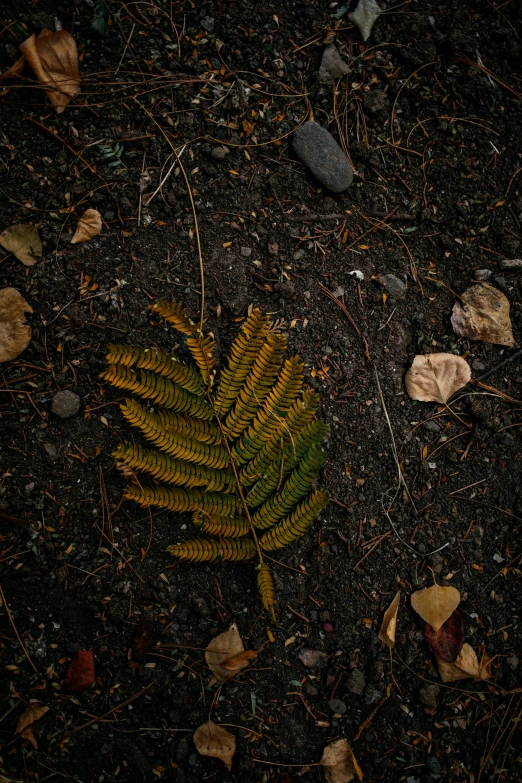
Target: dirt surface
435,144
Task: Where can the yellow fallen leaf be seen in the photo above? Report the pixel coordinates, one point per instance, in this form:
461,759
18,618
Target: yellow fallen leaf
466,665
23,241
32,714
389,623
226,656
483,315
436,377
15,333
339,763
213,740
435,604
89,226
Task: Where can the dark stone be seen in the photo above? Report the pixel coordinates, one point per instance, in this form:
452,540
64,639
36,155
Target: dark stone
65,404
356,682
321,154
337,706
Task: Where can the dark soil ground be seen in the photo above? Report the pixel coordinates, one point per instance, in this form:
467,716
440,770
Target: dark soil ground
436,147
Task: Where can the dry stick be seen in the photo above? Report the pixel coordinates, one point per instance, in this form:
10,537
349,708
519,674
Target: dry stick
114,709
15,630
403,85
194,213
58,138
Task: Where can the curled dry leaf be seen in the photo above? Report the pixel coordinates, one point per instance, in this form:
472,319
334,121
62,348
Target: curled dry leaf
53,57
465,666
23,241
483,315
448,641
340,765
89,226
213,740
15,333
226,656
435,604
25,723
389,623
436,377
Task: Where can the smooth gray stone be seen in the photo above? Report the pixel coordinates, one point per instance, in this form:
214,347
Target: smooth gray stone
65,404
511,264
321,154
332,64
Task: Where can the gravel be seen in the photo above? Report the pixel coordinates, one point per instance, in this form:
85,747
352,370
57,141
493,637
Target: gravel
483,274
65,404
356,682
321,154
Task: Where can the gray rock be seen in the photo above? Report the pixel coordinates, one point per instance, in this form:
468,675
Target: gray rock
371,694
337,706
434,768
512,663
219,153
51,450
310,690
483,274
356,682
246,252
65,404
478,365
511,264
332,64
207,23
376,102
395,287
321,154
314,659
500,282
432,426
429,695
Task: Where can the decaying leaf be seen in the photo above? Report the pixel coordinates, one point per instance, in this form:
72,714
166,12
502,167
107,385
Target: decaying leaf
15,333
364,15
435,604
483,315
226,656
448,641
465,666
389,623
53,57
23,241
80,674
340,765
25,723
436,377
143,638
213,740
89,226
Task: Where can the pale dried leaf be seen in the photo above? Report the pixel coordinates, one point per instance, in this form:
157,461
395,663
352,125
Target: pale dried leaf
89,226
435,604
436,377
389,623
364,16
339,763
15,333
213,740
224,654
54,59
24,728
465,666
483,315
23,241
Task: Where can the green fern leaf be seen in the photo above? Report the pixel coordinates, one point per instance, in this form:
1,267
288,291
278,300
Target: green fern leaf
181,500
266,587
157,360
199,549
294,526
227,527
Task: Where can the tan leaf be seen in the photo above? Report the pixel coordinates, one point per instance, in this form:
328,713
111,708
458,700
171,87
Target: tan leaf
33,713
484,316
465,666
436,377
435,604
89,226
226,656
340,765
23,241
54,59
15,333
213,740
389,623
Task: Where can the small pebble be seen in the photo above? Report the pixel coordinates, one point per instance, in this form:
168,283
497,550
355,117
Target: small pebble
314,659
512,663
246,252
328,627
500,282
65,404
273,249
320,153
483,274
371,694
478,365
429,695
51,450
332,65
337,706
511,264
356,682
310,690
219,153
394,286
207,23
434,768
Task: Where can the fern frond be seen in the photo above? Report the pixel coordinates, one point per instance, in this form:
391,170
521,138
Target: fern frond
184,500
201,347
273,412
243,354
174,471
157,360
228,527
298,484
199,429
160,390
199,549
266,587
171,441
257,385
295,525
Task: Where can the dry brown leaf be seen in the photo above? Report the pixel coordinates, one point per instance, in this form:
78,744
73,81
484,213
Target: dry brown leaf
213,740
484,316
23,241
435,604
436,377
15,333
226,656
340,765
465,666
33,713
389,623
89,226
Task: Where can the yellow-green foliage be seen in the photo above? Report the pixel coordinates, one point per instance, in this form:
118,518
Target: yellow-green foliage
242,455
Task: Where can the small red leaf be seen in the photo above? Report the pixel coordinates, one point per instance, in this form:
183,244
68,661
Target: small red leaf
80,674
143,638
447,642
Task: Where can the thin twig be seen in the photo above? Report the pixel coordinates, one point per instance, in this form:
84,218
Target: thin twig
16,631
